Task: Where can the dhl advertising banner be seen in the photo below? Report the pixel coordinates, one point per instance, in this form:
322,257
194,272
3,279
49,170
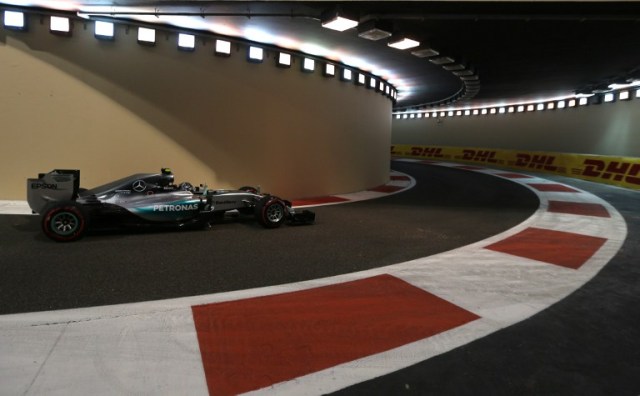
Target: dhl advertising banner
620,171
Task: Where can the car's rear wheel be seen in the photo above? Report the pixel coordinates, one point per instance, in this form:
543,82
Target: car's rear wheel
271,212
64,221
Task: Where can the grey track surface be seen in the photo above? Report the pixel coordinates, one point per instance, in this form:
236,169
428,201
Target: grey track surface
586,344
448,208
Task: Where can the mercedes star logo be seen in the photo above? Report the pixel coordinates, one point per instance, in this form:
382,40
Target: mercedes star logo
139,186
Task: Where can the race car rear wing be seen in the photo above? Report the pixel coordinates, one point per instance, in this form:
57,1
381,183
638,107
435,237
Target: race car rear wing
57,185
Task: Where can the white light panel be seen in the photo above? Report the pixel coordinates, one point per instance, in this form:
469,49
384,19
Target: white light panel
329,69
223,47
347,74
104,29
340,24
60,24
308,65
284,59
146,35
609,97
403,44
256,54
186,41
14,19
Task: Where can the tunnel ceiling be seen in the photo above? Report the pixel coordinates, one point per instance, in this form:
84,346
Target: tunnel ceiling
493,52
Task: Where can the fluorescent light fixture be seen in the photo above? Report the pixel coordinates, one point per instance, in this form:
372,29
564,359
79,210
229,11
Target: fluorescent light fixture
443,114
412,115
562,104
347,75
609,97
441,60
467,112
60,25
336,20
624,95
403,43
425,53
284,59
420,115
583,101
493,111
308,65
186,42
405,116
104,30
146,36
551,105
540,106
398,116
387,90
381,86
372,82
571,103
531,107
362,79
520,109
502,110
511,109
483,112
459,113
15,20
373,30
329,70
255,54
223,48
455,66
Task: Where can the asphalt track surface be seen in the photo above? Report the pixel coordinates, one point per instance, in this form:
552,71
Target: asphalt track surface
448,208
587,344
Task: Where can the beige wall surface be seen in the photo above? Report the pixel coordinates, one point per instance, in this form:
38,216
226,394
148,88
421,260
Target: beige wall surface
115,108
605,129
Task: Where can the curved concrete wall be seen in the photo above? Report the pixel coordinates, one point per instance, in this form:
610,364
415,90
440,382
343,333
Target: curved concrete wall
605,129
116,108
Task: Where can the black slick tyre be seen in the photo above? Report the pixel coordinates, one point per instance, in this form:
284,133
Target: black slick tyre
64,221
271,212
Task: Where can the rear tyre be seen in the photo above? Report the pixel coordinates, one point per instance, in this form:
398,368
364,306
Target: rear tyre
64,221
271,212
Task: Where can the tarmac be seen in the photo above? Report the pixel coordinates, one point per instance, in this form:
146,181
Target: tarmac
450,280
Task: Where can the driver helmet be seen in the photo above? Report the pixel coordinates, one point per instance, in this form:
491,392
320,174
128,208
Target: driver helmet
166,179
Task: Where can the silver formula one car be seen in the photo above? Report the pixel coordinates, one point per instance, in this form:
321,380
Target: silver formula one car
145,199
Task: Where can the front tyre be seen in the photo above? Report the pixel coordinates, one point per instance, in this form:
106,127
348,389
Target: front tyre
271,212
64,222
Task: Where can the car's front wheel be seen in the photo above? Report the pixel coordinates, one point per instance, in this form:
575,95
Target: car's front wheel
64,221
271,212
